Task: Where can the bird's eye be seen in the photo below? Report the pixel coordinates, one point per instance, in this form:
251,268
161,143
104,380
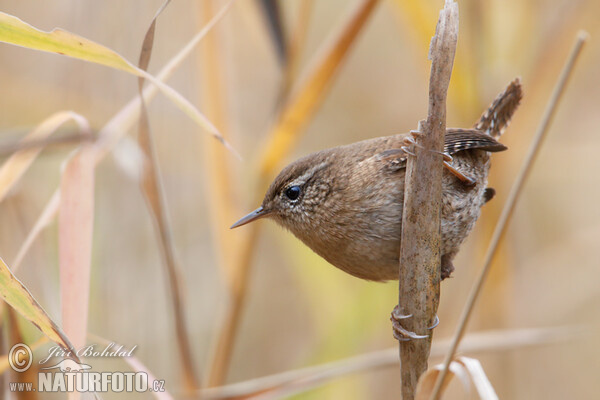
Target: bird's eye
293,192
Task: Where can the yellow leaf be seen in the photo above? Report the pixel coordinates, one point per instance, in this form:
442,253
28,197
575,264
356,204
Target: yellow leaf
19,33
19,298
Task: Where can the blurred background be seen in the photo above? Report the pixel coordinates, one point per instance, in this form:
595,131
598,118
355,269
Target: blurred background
298,310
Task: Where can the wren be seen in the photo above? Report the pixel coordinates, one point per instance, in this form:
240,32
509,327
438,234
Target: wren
345,203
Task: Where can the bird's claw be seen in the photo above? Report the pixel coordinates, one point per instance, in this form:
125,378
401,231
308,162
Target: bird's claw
407,151
415,133
400,333
436,322
410,141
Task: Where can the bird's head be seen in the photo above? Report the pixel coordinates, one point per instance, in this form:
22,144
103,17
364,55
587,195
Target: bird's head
295,195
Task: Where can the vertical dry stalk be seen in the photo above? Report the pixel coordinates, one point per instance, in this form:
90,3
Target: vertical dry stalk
510,206
419,281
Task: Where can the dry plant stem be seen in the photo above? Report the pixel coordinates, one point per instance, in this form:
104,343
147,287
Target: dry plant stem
419,280
154,194
510,206
9,149
304,379
292,120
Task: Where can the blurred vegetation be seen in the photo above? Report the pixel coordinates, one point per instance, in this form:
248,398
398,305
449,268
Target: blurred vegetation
297,309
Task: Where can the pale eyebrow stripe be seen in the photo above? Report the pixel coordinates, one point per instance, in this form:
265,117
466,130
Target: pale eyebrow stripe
308,174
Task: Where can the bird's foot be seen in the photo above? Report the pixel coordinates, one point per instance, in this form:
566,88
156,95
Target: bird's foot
410,141
400,333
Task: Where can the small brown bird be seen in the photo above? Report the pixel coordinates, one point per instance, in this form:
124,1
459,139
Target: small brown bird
345,203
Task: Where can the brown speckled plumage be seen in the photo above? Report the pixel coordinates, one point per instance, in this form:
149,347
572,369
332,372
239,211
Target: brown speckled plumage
349,207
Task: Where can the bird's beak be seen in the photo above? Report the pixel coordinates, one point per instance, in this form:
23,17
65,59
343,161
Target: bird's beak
253,216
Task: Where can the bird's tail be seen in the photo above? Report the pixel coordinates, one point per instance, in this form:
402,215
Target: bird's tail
496,118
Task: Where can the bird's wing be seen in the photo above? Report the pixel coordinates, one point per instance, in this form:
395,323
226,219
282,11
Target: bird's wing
457,139
392,159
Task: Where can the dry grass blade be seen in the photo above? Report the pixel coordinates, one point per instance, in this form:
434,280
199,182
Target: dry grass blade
293,118
419,272
14,168
152,188
469,370
75,230
120,123
16,32
301,380
510,204
19,298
